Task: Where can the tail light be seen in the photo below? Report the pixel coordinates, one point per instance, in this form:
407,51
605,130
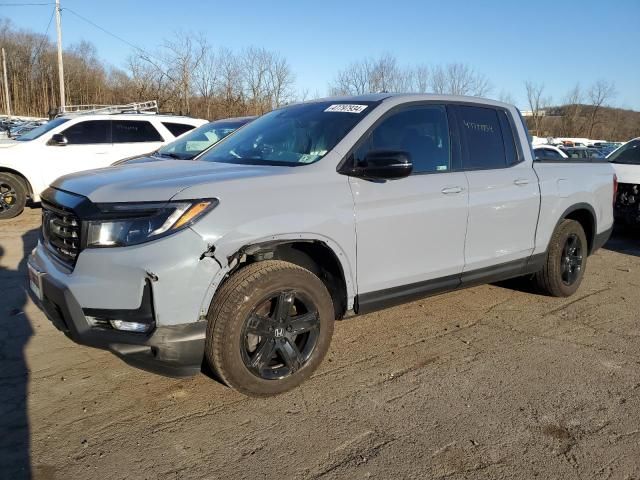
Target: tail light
615,188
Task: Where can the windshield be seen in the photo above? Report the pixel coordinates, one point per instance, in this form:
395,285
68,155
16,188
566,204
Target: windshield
42,129
629,153
291,136
198,140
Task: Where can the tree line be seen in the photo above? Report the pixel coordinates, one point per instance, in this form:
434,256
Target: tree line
187,75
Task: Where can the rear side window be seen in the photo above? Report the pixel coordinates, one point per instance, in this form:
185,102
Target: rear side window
89,132
482,140
134,131
177,129
421,131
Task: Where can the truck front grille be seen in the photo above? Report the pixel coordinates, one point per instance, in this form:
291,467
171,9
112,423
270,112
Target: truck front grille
61,233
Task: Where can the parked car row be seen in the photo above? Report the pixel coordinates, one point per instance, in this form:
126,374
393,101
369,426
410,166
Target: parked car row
550,152
244,259
12,128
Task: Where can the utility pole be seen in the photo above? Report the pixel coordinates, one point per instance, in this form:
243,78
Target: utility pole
60,67
6,84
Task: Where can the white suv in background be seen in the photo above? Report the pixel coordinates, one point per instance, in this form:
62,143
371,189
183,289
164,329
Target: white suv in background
75,143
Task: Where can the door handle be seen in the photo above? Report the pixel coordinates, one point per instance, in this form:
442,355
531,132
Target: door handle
521,181
450,190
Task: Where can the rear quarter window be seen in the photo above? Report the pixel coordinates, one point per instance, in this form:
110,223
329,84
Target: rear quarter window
134,131
177,129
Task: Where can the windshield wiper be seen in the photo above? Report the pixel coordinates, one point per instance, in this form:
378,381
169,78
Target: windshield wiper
171,155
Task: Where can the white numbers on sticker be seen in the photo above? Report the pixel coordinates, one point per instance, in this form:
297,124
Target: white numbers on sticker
345,108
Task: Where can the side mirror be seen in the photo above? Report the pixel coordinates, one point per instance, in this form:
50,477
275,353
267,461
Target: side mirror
58,139
384,165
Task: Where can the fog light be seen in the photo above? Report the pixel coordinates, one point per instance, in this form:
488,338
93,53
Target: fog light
130,326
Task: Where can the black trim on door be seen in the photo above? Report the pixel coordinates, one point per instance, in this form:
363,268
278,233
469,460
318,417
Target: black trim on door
369,302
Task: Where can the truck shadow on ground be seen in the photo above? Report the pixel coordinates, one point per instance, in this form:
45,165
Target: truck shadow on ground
625,240
15,332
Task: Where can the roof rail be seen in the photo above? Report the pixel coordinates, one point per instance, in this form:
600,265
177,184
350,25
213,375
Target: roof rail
150,106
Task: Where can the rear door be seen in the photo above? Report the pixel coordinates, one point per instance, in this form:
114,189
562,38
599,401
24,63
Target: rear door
504,197
134,137
410,232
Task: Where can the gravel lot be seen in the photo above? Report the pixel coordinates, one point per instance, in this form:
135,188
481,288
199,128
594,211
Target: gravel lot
491,382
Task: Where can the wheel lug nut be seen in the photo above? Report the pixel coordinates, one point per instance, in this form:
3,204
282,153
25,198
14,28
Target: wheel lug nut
289,328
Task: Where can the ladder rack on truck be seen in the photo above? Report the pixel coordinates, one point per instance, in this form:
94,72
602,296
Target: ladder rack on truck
134,107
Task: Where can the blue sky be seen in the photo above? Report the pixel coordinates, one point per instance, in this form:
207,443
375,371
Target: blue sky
557,42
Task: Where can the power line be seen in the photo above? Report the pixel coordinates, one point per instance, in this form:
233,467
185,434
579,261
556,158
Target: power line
109,33
25,4
45,38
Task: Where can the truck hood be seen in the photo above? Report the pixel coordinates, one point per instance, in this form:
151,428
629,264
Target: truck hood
156,181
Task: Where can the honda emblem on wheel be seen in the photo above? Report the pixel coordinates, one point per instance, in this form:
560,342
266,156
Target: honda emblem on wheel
278,332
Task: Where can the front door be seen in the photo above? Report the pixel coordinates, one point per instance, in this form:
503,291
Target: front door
88,146
410,232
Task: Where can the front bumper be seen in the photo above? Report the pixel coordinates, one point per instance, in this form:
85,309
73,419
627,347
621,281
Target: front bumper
114,281
174,351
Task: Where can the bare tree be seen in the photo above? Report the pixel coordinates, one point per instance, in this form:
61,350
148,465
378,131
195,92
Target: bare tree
506,97
353,80
421,75
183,56
599,94
207,79
537,104
571,118
280,81
459,79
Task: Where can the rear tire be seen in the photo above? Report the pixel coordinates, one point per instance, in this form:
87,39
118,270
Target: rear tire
566,260
13,196
269,328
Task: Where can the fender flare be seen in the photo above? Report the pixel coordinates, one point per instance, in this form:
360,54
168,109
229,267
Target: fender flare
227,262
582,206
23,177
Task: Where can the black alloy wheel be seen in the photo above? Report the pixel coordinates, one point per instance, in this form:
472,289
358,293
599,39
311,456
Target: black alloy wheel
572,256
8,197
280,335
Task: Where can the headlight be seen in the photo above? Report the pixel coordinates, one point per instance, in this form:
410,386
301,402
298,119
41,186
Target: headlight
133,223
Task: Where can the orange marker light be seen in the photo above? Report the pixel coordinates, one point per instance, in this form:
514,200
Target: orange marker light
190,214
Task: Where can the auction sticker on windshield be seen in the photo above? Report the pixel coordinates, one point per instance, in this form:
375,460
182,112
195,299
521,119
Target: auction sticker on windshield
345,108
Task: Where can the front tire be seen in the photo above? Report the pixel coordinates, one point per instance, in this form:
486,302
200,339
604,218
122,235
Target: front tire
269,328
566,260
13,196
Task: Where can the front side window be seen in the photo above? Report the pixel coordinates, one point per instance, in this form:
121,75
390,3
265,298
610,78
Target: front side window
89,132
481,136
291,136
134,131
420,131
42,129
628,153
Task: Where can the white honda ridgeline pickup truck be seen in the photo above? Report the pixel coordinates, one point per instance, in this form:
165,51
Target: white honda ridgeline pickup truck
244,259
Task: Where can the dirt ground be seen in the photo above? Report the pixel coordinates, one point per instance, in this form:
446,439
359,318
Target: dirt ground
491,382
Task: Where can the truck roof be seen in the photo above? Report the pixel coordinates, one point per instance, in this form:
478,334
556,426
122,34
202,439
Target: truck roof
410,97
